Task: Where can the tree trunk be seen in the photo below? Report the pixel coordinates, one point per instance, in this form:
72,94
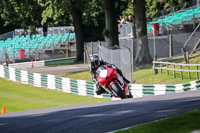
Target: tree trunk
142,50
77,22
111,23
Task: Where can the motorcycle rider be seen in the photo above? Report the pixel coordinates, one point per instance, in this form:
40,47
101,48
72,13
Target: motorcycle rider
95,63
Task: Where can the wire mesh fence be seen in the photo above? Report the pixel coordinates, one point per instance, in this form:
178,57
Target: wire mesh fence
60,29
164,47
125,30
7,35
19,32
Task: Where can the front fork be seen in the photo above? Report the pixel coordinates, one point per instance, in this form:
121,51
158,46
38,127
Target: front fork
118,85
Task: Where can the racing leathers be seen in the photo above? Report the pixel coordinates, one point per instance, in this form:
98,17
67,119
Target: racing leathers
99,89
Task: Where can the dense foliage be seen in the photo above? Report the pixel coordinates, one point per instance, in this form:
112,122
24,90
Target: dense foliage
37,13
156,8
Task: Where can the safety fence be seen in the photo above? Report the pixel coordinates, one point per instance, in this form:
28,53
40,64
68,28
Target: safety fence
44,63
189,68
140,90
87,88
59,61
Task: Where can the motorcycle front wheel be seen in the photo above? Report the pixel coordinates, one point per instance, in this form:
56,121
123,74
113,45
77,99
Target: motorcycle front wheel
118,91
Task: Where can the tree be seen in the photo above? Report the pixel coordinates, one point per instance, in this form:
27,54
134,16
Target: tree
23,13
156,8
56,8
77,21
94,20
111,23
142,50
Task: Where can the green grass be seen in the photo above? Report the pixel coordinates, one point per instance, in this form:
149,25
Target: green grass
18,97
83,75
142,75
183,123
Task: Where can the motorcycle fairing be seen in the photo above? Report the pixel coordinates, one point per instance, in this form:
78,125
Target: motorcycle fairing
108,76
111,74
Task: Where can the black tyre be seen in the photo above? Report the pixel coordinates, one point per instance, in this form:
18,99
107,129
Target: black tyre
130,95
118,91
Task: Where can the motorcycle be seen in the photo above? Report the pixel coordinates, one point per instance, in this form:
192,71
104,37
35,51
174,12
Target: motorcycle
112,82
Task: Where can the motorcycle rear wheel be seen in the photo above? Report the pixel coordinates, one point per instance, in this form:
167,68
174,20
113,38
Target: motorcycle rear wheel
118,91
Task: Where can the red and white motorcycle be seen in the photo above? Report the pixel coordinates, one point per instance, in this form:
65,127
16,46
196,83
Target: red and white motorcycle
112,82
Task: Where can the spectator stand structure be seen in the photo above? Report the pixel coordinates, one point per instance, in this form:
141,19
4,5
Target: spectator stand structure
178,22
173,31
37,46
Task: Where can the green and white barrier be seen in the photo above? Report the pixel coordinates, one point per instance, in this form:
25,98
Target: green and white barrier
59,61
43,63
87,88
140,90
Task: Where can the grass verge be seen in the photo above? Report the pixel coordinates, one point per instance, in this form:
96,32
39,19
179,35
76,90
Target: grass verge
183,123
18,97
142,75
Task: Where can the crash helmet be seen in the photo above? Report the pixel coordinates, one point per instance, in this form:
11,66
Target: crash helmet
94,61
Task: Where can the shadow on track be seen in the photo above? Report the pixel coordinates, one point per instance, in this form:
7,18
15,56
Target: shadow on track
99,117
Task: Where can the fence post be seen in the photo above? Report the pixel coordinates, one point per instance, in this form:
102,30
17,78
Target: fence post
195,47
187,53
67,50
86,53
29,53
174,71
53,48
155,71
189,73
6,58
13,52
91,48
99,43
170,46
160,68
35,54
99,48
197,72
167,70
184,54
181,73
193,21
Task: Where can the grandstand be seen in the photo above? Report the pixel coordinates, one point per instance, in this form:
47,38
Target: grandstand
177,22
31,42
186,16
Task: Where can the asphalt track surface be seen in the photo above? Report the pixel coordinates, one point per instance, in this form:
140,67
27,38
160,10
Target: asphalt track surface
58,70
99,117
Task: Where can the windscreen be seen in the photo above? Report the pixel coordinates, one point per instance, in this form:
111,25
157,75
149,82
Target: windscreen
100,69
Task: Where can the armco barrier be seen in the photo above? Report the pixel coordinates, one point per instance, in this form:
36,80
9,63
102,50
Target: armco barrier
87,88
43,63
59,61
27,64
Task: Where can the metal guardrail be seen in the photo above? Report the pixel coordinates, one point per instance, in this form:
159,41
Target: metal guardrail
59,61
